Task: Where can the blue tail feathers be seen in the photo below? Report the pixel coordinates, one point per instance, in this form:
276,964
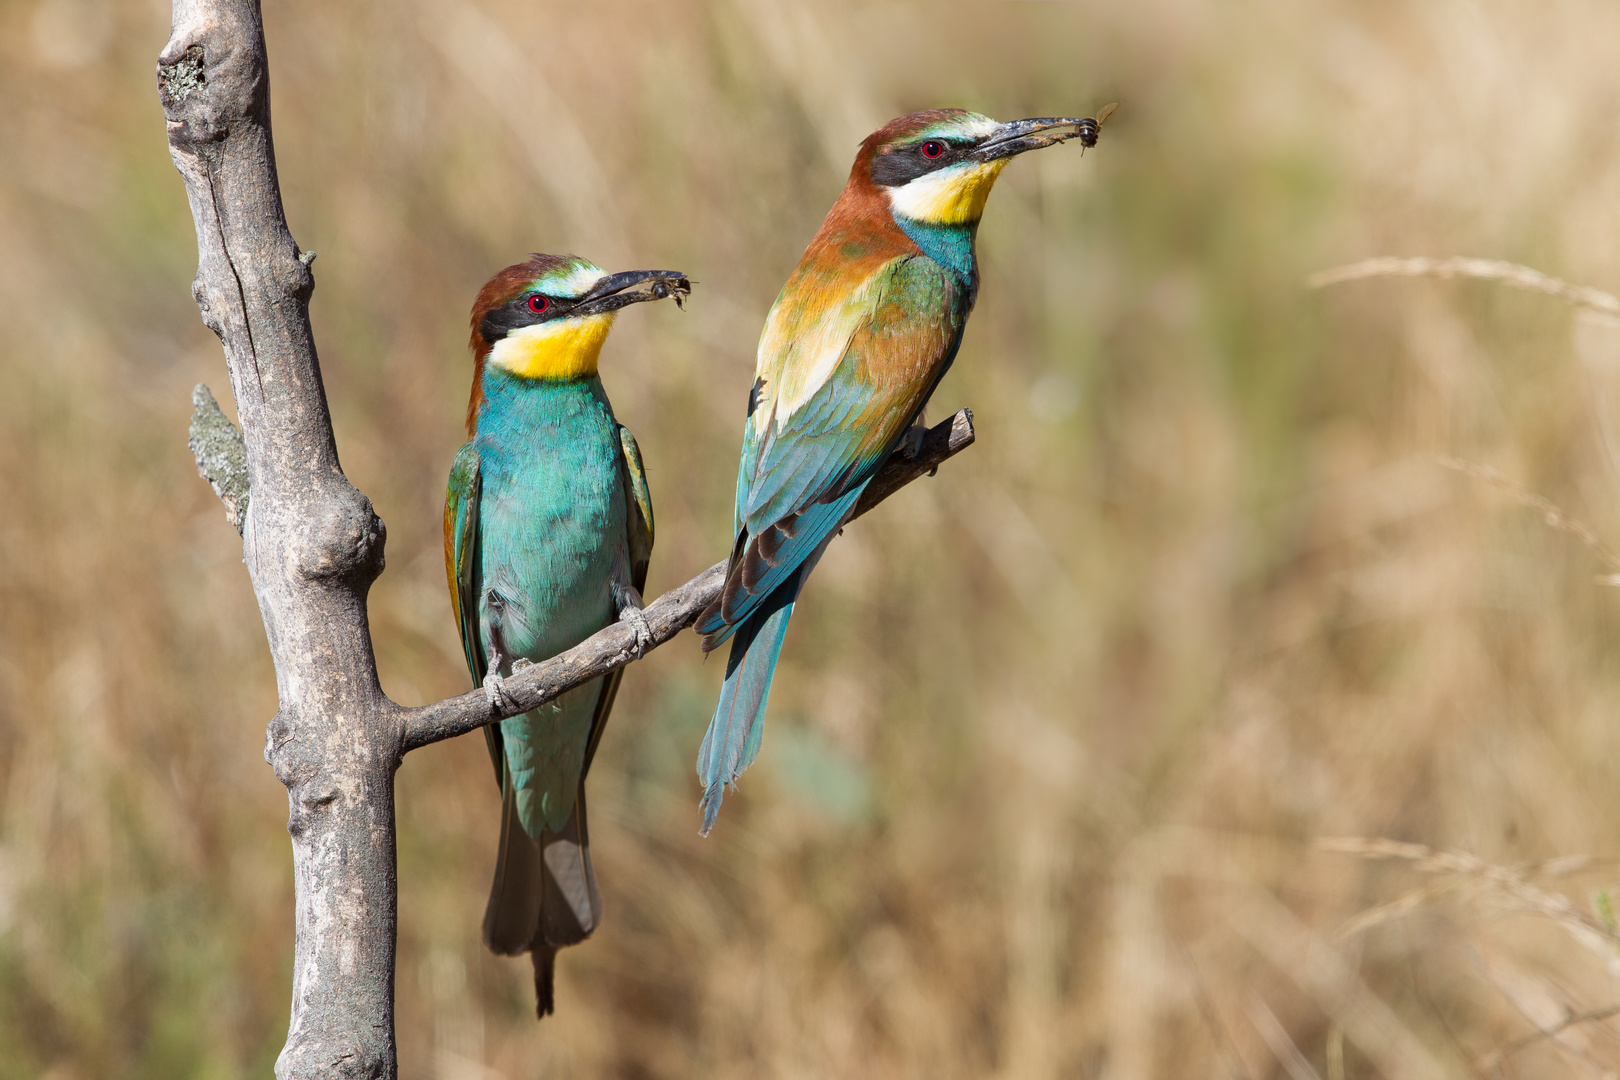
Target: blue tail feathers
732,741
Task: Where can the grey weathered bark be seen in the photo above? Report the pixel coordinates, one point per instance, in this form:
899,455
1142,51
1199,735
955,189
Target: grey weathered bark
313,547
311,543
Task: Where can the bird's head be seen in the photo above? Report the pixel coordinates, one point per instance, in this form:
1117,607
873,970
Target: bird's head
548,317
937,167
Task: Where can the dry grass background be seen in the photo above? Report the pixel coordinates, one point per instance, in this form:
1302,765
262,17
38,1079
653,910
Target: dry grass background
1058,733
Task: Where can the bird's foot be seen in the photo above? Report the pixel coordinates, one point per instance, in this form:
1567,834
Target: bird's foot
633,618
495,686
628,600
498,697
911,441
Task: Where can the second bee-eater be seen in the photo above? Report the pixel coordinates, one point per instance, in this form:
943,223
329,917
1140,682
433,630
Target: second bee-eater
860,335
548,529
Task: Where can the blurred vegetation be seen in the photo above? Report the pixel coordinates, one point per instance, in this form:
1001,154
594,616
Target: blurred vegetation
1055,733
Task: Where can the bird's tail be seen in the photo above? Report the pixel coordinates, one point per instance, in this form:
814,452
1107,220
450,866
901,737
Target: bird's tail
544,896
732,741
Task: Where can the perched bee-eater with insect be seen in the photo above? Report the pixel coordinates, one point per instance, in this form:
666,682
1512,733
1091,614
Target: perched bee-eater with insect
548,529
867,324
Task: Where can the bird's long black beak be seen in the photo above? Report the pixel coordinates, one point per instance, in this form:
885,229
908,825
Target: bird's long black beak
1017,136
632,287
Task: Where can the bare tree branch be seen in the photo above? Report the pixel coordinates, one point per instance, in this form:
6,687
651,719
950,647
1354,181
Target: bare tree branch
220,460
310,541
667,616
313,547
221,455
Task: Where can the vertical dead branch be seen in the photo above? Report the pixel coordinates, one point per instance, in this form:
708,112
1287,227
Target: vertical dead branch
310,540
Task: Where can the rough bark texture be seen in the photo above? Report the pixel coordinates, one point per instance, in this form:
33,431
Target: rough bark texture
310,540
221,455
313,547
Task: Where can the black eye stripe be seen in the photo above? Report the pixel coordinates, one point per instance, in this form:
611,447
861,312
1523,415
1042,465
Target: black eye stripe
905,163
516,314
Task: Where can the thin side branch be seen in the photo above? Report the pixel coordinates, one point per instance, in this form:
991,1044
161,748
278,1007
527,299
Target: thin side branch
221,455
667,616
942,441
1520,277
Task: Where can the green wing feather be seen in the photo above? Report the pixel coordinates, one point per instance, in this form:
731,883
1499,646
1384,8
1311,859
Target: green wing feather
460,545
894,346
638,520
638,508
461,506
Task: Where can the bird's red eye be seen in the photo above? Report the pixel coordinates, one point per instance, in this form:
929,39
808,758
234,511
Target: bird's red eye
539,304
933,148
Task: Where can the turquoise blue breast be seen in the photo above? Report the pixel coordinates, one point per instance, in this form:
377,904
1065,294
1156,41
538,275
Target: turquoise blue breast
952,246
552,511
551,539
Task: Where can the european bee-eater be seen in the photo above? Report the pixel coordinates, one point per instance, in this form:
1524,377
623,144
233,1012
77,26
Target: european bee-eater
860,335
548,528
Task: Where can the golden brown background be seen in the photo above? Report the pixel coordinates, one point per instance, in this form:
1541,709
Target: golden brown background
1056,733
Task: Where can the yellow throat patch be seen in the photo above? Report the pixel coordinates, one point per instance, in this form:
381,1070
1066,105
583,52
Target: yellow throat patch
562,348
954,196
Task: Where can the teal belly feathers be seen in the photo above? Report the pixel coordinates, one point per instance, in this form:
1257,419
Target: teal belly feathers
551,536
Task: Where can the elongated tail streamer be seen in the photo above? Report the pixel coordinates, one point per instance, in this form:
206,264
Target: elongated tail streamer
732,741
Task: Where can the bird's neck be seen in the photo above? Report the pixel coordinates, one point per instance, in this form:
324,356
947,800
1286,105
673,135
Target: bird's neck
519,404
559,351
952,246
862,224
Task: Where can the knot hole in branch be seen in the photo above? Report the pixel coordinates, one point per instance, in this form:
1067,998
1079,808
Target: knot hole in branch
178,78
296,278
306,802
211,76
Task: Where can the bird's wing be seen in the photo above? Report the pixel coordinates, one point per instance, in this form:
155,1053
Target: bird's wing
460,543
638,508
461,503
837,385
638,520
